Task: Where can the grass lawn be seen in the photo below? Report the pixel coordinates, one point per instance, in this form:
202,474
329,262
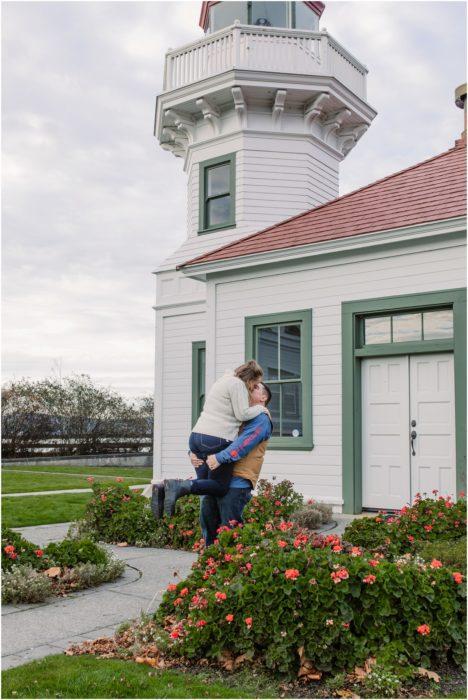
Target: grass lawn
19,482
89,677
43,510
111,471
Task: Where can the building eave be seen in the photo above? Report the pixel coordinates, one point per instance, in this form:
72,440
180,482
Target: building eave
335,246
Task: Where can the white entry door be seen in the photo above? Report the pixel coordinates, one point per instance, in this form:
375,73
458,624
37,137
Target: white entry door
401,395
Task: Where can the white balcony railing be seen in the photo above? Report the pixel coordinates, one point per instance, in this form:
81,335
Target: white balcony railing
264,49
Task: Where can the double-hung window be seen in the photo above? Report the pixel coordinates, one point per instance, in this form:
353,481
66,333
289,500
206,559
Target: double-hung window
282,345
217,193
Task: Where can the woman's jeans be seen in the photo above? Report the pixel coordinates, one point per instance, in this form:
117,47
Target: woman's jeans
212,482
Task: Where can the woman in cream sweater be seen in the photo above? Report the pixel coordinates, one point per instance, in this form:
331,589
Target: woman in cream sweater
226,407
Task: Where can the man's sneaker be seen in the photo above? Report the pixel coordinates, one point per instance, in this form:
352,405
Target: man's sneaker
157,500
174,489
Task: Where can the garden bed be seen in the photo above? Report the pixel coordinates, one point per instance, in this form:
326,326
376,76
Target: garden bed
376,609
31,574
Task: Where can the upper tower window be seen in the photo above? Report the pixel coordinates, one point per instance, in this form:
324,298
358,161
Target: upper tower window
269,14
285,15
217,193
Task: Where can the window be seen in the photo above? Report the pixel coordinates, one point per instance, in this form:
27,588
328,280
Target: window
408,326
217,193
269,14
304,17
282,344
198,378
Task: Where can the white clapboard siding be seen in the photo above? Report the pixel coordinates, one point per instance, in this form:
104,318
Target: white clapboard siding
322,287
175,394
276,178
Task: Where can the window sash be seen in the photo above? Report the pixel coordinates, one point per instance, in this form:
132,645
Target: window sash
205,199
302,318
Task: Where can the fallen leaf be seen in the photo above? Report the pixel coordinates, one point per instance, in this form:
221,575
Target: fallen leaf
346,694
307,670
369,663
226,660
122,544
53,571
428,674
240,659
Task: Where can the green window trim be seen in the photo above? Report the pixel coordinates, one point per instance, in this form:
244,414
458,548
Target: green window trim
198,378
204,166
305,441
352,351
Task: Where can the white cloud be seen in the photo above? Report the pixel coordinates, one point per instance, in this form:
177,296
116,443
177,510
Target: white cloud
92,205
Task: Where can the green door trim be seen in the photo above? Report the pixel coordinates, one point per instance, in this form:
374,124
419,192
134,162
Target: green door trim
197,347
351,311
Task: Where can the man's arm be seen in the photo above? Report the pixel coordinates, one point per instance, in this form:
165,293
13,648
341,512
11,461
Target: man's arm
256,430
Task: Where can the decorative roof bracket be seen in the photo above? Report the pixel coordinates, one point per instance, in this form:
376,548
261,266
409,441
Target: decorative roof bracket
278,107
211,114
240,105
334,123
315,108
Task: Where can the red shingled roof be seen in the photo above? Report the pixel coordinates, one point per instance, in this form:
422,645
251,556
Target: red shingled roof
429,191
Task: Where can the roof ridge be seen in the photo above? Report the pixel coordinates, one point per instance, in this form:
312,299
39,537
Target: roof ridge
454,149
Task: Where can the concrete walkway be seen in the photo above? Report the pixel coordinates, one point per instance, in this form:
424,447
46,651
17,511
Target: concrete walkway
38,630
55,493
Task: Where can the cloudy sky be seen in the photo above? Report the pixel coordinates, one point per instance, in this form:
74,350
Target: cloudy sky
91,204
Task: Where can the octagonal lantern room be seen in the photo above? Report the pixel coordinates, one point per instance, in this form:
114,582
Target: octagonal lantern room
286,15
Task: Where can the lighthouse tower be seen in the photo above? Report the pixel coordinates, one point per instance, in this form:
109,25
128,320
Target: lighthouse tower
261,110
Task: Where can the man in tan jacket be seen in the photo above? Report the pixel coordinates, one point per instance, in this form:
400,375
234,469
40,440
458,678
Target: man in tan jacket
247,452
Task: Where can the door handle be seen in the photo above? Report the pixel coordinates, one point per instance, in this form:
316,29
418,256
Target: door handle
414,435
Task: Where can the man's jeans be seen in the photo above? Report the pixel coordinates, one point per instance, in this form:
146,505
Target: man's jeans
215,512
213,482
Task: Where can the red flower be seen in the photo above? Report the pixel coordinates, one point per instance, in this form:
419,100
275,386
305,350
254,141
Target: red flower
462,494
119,479
90,479
339,575
38,552
13,555
436,564
9,549
356,551
178,601
337,548
435,492
201,623
277,503
424,630
292,574
184,592
175,634
229,618
103,497
428,528
171,526
346,625
248,621
248,566
227,557
172,587
411,538
282,543
369,579
373,562
220,596
457,577
378,520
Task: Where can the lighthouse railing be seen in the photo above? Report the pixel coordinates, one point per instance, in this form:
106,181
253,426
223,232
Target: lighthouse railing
264,49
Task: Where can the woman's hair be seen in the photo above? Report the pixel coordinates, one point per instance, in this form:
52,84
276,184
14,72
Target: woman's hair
249,372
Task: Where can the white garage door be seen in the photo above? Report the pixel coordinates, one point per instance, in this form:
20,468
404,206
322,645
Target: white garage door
402,396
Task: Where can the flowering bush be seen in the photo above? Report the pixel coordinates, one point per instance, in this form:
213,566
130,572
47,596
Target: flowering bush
16,550
284,590
425,520
117,514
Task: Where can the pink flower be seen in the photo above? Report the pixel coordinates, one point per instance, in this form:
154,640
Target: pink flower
172,587
346,625
178,601
411,538
171,526
248,621
90,479
436,564
227,557
220,596
282,544
277,503
435,492
329,623
291,574
373,562
184,592
119,479
337,548
457,577
229,618
339,575
369,579
428,528
103,497
356,551
9,549
248,566
424,630
201,623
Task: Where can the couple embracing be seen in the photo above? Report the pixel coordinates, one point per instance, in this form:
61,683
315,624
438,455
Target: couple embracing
227,447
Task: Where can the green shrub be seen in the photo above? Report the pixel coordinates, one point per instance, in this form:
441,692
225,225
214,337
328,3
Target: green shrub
16,550
116,514
23,584
72,552
452,553
426,520
312,515
268,592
